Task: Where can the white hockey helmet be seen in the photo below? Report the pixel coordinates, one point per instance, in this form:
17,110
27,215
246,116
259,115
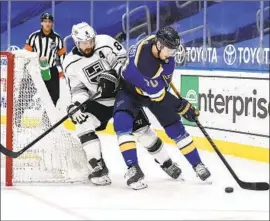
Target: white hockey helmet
82,32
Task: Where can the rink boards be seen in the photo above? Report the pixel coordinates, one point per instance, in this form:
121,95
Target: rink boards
234,108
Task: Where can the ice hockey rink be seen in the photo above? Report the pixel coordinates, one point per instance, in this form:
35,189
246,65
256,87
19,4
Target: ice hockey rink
164,199
222,68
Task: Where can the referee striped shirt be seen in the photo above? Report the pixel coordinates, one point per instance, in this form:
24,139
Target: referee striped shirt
50,46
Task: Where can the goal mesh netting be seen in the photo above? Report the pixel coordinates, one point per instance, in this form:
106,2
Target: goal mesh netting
26,112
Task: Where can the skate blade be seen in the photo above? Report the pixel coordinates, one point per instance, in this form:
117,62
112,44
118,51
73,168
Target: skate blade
181,179
101,181
102,184
176,178
138,185
208,181
196,182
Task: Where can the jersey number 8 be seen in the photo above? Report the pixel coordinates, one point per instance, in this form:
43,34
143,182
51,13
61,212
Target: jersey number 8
117,45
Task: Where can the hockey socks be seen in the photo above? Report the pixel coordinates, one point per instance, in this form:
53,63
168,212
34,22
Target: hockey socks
91,145
123,125
191,154
129,151
148,138
184,142
158,151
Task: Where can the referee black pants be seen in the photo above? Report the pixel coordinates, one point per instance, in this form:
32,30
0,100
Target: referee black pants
53,86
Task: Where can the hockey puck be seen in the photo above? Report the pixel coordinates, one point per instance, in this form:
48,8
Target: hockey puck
228,189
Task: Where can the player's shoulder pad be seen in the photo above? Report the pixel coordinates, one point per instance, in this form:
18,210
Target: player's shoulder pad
104,41
134,49
146,39
70,59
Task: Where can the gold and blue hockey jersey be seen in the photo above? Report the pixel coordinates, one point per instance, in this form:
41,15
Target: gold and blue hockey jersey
146,73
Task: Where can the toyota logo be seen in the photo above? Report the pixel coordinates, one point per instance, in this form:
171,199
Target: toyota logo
180,55
13,48
229,54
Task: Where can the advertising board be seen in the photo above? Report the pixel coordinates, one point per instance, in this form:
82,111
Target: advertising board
231,103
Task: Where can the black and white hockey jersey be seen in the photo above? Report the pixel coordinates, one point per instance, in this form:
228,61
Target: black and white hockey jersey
82,72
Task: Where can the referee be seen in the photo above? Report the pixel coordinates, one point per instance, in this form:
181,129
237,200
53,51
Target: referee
51,51
50,48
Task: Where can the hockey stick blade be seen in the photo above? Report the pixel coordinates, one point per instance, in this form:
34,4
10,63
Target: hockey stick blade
13,154
261,186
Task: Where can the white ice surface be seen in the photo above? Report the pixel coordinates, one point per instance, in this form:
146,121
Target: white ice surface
164,199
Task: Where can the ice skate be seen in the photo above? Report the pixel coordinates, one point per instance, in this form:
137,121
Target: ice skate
99,176
171,168
135,177
202,172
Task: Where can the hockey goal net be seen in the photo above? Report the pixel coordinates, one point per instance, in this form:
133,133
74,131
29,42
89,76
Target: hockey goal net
26,112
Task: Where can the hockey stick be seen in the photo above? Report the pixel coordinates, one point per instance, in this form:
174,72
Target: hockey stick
242,184
13,154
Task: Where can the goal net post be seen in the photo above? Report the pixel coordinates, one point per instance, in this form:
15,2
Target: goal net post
26,112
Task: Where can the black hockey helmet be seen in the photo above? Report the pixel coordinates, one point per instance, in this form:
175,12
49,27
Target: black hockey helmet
46,16
169,37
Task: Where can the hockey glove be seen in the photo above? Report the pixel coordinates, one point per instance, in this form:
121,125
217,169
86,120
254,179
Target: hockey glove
188,111
79,116
107,83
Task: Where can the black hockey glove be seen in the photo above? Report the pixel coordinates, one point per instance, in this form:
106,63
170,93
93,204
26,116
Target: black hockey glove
107,83
188,111
79,116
